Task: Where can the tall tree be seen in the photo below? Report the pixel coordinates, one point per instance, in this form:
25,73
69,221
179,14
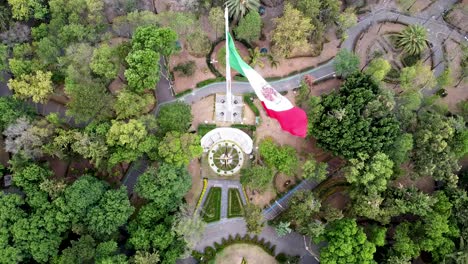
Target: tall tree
37,86
104,62
346,20
369,175
283,158
179,148
160,40
174,117
254,218
250,27
164,186
216,18
132,105
291,32
142,73
355,119
347,243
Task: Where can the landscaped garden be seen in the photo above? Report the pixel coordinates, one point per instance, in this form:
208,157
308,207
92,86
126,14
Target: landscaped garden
235,205
211,210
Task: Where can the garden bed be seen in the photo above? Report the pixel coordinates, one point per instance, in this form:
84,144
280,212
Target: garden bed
235,205
212,207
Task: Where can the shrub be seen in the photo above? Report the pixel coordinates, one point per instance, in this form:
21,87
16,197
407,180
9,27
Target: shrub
198,44
410,60
186,69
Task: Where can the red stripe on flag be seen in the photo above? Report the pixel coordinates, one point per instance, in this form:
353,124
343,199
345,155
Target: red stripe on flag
293,120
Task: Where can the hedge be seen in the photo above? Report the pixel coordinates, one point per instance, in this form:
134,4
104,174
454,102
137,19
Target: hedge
210,81
205,185
212,206
183,93
208,255
235,205
250,103
244,126
202,129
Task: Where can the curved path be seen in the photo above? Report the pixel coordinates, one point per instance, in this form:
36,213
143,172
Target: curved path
438,31
292,244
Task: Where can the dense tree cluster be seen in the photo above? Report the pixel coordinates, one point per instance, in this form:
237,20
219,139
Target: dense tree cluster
356,119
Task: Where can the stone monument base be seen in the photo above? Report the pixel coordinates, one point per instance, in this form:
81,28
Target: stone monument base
224,113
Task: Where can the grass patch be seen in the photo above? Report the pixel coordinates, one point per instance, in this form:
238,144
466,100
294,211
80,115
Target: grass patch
212,207
221,56
235,206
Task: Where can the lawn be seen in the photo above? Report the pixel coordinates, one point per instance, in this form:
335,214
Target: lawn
212,207
235,206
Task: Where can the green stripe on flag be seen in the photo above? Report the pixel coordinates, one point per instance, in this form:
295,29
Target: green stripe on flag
235,60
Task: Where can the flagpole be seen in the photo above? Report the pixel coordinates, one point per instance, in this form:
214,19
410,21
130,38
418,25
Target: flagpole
228,66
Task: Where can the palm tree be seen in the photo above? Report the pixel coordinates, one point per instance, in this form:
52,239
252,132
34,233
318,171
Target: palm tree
273,60
413,39
238,8
255,56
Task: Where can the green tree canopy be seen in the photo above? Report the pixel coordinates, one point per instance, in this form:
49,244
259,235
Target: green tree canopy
179,148
291,32
302,208
104,62
347,243
142,73
257,177
216,18
254,218
37,86
343,125
174,117
346,63
378,68
369,174
132,105
250,27
417,77
165,186
160,40
283,158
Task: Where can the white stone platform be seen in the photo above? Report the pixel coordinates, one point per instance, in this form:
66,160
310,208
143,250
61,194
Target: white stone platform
223,113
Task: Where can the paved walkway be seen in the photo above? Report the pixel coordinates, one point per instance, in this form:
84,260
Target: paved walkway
292,244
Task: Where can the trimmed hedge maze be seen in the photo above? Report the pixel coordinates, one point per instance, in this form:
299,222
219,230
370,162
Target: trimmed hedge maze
235,206
212,207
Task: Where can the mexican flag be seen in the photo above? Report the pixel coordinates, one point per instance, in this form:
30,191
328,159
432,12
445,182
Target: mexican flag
292,119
